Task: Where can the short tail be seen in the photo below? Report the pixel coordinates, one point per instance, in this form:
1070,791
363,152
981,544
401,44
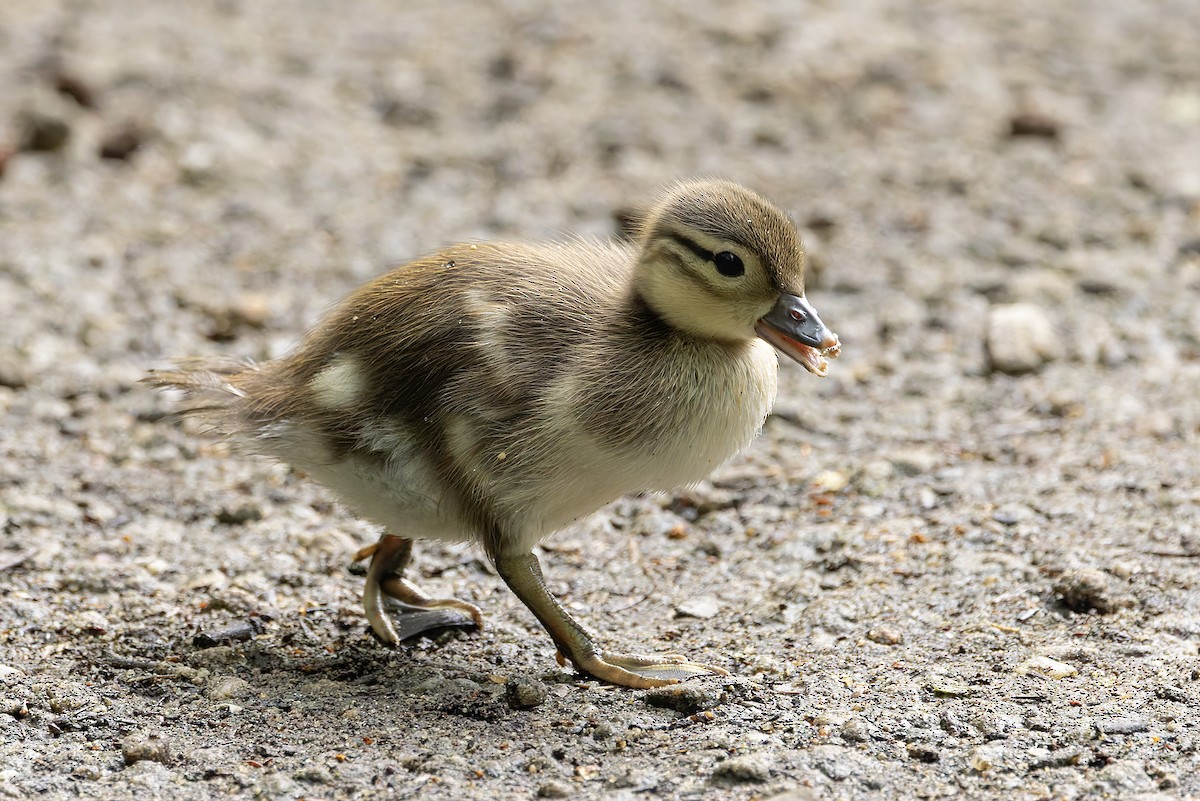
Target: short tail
211,390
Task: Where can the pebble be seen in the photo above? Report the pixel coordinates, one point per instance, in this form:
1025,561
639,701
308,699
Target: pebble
554,789
856,730
923,752
1128,725
1020,338
688,698
140,747
239,515
524,693
985,757
885,635
225,688
1033,124
122,143
43,133
13,373
702,608
1089,589
1045,666
75,87
830,481
952,723
237,632
744,769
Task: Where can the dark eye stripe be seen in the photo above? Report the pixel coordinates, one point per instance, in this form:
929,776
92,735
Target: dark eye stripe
703,253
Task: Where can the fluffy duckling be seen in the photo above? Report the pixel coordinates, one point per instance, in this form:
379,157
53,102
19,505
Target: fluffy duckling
497,392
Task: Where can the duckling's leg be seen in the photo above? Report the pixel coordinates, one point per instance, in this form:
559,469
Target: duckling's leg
523,574
419,612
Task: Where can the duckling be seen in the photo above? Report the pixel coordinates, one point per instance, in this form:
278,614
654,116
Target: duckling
496,392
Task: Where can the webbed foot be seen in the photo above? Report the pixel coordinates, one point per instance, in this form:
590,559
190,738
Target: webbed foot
418,611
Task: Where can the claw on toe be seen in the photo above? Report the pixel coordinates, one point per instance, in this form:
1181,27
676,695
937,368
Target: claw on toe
643,672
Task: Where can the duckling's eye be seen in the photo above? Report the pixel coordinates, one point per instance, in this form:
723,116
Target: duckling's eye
729,264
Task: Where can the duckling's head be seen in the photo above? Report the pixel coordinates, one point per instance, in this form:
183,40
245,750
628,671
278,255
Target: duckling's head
718,261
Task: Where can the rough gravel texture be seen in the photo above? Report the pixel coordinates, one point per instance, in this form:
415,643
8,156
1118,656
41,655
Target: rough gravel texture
928,577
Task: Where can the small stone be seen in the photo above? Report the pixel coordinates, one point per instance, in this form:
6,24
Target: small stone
121,144
1063,758
139,747
947,688
75,87
1045,666
885,635
830,481
923,752
239,515
985,757
951,723
554,789
238,632
744,769
1020,338
1124,725
997,727
43,133
688,698
197,165
1088,589
856,730
225,688
703,608
12,372
525,693
1033,124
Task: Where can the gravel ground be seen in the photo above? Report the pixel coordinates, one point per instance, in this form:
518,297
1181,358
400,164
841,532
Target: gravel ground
965,564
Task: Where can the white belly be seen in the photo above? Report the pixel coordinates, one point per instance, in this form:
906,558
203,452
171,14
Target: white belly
552,476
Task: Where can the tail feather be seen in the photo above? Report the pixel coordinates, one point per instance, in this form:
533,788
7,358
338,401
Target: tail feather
210,389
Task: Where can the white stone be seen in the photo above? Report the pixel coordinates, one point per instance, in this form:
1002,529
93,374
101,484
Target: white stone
1020,338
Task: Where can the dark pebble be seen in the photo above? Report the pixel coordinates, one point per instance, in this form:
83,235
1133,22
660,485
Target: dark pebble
43,133
525,693
240,515
238,632
122,143
923,752
1033,124
686,698
71,85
